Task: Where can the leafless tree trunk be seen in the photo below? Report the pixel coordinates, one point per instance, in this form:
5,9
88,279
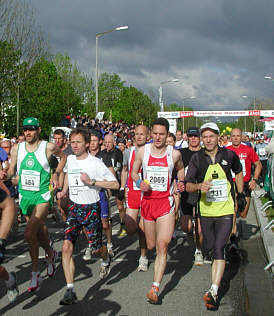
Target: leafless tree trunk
18,26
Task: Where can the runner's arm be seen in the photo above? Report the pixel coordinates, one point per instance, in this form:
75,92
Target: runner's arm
12,169
124,176
258,169
135,169
239,179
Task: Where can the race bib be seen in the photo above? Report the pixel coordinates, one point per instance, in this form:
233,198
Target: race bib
75,183
30,180
134,184
158,177
262,152
218,191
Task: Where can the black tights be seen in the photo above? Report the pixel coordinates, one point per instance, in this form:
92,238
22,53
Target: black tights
216,231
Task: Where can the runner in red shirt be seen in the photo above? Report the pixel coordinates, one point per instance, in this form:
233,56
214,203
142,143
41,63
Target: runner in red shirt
157,206
133,194
248,157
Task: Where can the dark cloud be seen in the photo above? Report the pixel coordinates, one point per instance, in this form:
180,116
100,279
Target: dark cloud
219,50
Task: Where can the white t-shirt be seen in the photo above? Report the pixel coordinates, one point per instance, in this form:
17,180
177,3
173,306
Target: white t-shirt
79,192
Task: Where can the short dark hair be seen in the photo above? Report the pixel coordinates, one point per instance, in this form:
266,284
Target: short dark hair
172,135
82,131
161,121
96,134
59,131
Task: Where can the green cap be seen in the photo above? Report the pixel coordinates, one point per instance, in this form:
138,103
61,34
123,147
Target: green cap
31,121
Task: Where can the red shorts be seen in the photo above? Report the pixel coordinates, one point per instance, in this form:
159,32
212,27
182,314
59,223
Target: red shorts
152,209
133,199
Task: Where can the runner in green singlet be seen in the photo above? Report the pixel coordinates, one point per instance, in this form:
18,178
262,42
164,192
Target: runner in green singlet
30,159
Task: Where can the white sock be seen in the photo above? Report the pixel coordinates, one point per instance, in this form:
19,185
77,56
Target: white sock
215,288
156,284
35,274
143,257
109,245
70,286
10,281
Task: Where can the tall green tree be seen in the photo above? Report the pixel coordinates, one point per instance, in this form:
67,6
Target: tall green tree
42,96
9,73
133,106
78,89
110,87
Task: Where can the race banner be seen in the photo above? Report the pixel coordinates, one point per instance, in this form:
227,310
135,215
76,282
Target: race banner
184,114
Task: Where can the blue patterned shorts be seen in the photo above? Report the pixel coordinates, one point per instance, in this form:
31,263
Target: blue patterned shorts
87,216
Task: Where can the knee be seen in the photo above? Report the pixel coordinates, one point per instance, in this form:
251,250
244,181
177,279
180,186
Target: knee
67,248
105,223
131,225
162,247
29,234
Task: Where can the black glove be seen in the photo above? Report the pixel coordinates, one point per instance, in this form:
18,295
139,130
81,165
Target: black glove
241,202
121,195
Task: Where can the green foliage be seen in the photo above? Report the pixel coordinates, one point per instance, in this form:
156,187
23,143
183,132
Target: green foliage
9,73
133,106
42,96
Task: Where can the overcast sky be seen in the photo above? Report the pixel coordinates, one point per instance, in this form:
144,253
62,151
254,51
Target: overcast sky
219,49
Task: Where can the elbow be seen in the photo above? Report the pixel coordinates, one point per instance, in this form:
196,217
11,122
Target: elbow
116,185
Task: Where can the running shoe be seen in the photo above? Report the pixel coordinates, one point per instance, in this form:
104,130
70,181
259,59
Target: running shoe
51,264
143,264
123,232
87,255
105,268
69,298
211,300
111,252
13,291
35,283
153,294
199,259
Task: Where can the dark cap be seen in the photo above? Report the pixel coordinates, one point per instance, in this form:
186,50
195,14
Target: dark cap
193,131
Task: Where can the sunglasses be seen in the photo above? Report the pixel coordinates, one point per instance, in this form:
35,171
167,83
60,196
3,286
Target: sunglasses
29,128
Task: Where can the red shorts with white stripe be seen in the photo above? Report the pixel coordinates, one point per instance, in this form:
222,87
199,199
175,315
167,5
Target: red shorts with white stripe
151,209
133,199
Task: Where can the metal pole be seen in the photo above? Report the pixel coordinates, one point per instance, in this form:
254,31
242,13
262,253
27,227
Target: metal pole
96,76
254,116
161,103
18,110
183,117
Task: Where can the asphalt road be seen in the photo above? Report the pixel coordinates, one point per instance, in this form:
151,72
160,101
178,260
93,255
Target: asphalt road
123,291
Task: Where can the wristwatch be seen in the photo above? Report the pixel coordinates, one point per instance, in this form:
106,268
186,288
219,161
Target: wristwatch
256,180
93,181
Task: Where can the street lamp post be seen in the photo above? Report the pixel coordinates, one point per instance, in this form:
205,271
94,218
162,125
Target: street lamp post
191,98
120,28
161,92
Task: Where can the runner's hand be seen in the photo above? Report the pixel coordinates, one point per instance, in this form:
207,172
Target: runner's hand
60,195
3,174
205,186
241,202
181,186
85,178
252,185
144,186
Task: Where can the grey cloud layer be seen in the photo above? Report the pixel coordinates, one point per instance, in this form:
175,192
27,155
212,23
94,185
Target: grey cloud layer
219,49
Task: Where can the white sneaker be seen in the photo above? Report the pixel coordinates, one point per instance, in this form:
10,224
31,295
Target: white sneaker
87,255
35,283
13,291
51,264
104,269
143,264
199,259
110,251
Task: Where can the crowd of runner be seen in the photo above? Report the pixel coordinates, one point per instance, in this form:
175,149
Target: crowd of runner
199,179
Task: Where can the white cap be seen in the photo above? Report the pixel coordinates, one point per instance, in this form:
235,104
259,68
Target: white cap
214,127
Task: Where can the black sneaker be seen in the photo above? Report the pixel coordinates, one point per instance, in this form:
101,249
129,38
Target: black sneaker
69,298
211,300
